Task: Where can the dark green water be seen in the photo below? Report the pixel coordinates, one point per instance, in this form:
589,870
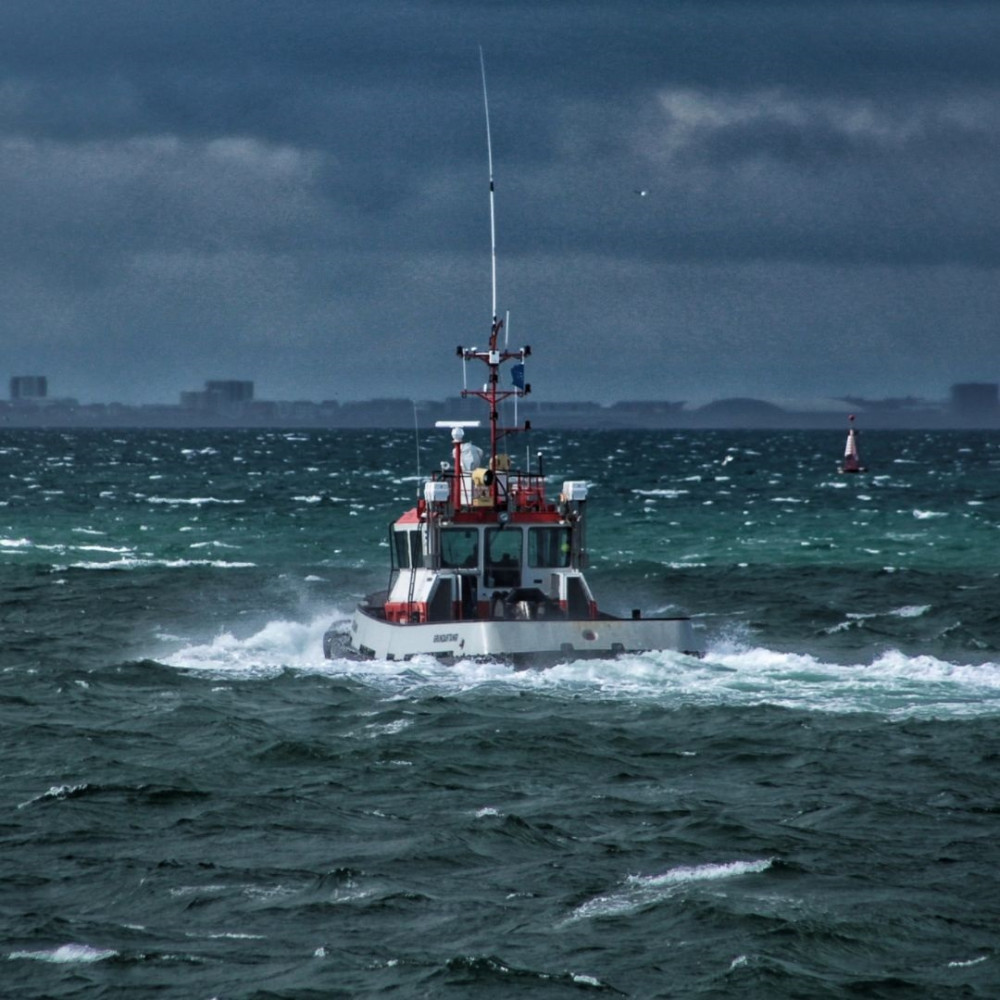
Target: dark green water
195,804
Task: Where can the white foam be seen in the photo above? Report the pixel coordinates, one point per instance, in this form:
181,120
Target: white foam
66,954
232,936
894,684
55,792
275,647
641,891
192,501
911,611
137,563
733,672
669,494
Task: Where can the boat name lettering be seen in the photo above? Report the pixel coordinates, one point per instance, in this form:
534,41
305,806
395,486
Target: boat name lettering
446,637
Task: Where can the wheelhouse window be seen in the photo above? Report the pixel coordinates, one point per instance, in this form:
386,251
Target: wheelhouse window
416,550
408,549
548,547
402,552
503,557
460,548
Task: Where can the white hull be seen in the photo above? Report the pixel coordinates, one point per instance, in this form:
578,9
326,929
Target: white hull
519,641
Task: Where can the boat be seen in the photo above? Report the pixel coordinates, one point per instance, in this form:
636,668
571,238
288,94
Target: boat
852,458
487,565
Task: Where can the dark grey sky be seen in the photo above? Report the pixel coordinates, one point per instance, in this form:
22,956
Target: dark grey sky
295,192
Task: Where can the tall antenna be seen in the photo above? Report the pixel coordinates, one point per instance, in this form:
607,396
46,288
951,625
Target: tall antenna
489,153
495,355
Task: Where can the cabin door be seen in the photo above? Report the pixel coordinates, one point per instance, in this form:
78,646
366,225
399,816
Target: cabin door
440,602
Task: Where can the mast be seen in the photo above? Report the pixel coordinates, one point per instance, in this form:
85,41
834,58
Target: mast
489,158
494,357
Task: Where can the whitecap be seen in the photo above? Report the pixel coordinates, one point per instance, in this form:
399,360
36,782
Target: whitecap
55,792
192,501
641,891
374,729
183,891
67,953
911,611
232,936
136,563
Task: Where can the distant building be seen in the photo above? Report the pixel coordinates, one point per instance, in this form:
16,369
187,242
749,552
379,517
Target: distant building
29,387
230,391
975,399
219,396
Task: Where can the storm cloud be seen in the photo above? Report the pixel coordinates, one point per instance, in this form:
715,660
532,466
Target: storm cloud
694,200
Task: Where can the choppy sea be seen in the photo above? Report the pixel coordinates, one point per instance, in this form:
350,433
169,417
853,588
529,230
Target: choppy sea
195,804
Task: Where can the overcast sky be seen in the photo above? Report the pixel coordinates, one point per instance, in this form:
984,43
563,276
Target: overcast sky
296,192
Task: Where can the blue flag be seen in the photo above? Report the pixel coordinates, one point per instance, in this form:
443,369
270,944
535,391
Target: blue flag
517,375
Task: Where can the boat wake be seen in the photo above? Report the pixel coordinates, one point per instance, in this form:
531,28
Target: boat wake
731,673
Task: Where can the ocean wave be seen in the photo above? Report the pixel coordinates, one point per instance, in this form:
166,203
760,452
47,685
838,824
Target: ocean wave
141,563
641,891
275,647
670,494
56,792
192,501
67,954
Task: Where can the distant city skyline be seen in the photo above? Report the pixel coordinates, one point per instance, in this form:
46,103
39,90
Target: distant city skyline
241,389
232,403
